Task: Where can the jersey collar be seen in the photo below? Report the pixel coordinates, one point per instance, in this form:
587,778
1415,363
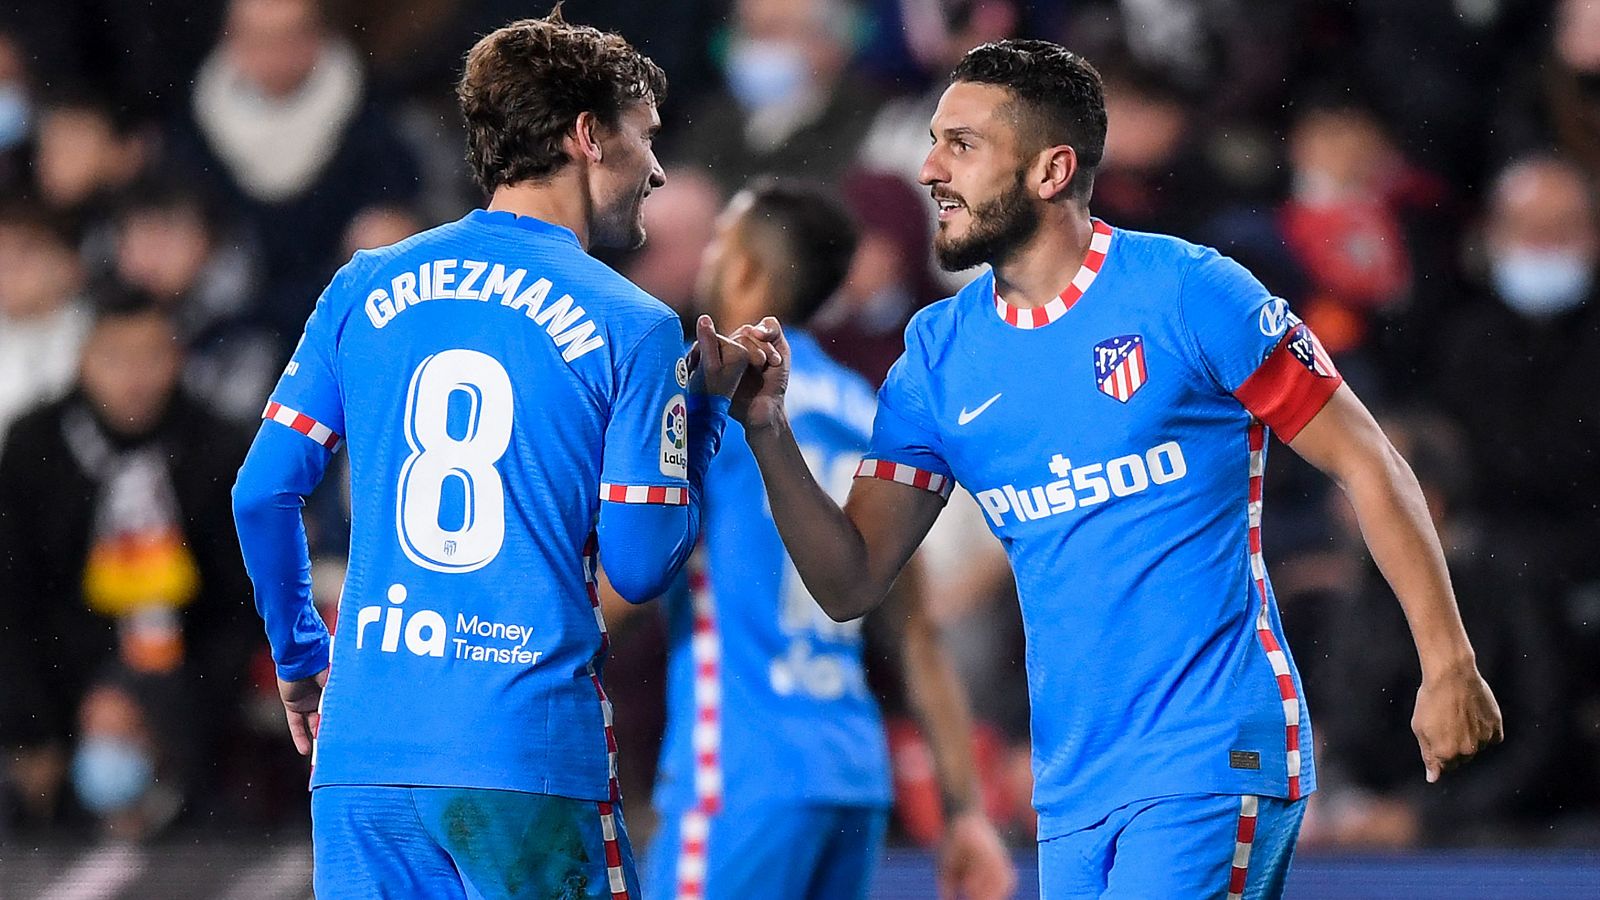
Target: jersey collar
526,223
1040,316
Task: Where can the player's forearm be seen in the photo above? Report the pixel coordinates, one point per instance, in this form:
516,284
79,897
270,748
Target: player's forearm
937,697
828,550
1394,520
282,468
644,545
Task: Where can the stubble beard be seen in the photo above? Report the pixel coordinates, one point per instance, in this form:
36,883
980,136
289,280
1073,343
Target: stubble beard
998,228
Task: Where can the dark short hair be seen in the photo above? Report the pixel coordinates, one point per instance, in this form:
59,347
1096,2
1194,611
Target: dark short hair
112,300
1058,98
813,234
22,213
166,192
525,84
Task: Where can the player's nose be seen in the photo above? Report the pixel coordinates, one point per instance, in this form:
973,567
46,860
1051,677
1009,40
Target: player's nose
933,169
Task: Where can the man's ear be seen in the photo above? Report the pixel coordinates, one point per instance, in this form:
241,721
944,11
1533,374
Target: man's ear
585,137
1060,163
743,273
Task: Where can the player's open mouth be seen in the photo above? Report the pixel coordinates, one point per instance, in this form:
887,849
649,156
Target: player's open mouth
948,208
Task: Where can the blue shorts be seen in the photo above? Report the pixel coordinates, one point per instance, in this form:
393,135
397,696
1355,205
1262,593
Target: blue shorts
772,851
433,842
1198,846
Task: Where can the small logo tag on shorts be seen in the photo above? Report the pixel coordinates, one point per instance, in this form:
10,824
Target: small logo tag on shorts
1244,759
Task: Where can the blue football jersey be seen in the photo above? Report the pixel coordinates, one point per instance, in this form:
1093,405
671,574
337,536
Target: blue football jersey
492,382
766,696
1115,440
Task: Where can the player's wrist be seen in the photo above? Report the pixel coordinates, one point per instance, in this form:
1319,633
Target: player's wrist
959,806
768,427
1453,666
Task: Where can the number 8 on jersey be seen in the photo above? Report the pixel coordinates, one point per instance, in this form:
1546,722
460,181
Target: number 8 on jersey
438,457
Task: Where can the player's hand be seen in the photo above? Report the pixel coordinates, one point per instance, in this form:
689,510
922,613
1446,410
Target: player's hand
1456,716
973,862
302,703
717,362
758,403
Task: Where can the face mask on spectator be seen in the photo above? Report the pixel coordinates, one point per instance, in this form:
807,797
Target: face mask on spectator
766,73
14,116
110,775
1540,283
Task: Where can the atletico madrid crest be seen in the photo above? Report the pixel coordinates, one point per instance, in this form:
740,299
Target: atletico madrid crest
1119,366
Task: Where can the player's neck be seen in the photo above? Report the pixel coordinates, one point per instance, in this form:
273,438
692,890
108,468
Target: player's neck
1038,271
558,201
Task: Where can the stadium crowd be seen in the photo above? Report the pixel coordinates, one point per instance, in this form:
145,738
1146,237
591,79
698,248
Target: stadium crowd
179,179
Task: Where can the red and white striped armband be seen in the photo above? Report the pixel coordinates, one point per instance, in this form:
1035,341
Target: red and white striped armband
642,493
917,478
302,423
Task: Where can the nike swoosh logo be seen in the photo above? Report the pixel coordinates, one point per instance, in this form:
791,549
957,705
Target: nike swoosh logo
966,417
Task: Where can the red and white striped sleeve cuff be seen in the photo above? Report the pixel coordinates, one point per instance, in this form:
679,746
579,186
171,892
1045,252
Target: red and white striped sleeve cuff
917,478
302,423
641,493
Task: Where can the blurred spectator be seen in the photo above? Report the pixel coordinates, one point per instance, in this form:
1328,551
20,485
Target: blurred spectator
1550,101
379,226
890,278
117,768
87,150
1378,796
282,119
117,559
938,33
680,221
1517,371
1518,368
791,105
1153,177
1232,56
1339,224
41,323
168,242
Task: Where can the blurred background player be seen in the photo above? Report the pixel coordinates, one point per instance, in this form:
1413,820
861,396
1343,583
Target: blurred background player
774,779
1094,385
464,744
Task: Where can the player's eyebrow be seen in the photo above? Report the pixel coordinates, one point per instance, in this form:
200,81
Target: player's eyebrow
957,131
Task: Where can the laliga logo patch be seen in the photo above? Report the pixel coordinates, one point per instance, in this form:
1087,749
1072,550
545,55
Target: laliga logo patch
675,438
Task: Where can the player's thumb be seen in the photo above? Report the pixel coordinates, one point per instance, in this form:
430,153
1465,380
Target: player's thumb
706,333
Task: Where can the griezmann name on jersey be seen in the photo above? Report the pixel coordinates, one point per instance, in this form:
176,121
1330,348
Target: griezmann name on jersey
491,380
1116,440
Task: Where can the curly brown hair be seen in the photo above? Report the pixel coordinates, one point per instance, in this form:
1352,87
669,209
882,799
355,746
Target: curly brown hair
525,84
